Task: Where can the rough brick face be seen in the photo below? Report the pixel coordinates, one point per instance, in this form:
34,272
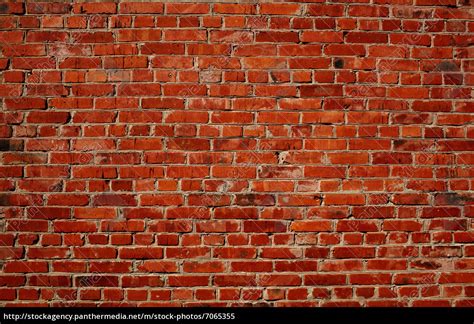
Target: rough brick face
290,153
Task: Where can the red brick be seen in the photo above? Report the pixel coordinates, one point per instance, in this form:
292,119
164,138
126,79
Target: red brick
231,8
311,226
274,36
324,279
25,103
187,8
364,37
279,9
141,8
95,8
92,37
325,10
322,37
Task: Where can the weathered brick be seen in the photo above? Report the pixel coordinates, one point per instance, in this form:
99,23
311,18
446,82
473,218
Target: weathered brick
231,154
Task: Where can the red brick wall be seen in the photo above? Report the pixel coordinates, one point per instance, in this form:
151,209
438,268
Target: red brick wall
255,153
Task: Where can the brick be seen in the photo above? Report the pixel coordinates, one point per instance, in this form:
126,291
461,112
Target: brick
279,9
188,281
158,266
361,37
45,36
25,103
321,37
141,253
134,89
13,8
273,36
203,267
368,11
50,281
25,267
370,278
325,10
324,279
47,253
48,117
311,226
92,37
320,90
141,8
184,35
353,252
142,281
95,8
344,199
232,281
74,226
231,8
187,8
114,200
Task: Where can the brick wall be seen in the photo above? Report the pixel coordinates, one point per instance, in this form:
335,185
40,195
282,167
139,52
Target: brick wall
283,153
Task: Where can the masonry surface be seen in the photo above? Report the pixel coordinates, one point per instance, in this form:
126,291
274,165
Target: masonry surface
259,153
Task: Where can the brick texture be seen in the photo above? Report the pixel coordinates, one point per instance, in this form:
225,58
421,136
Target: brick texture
286,153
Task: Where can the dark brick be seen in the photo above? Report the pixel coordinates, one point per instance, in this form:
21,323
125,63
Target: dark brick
11,145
